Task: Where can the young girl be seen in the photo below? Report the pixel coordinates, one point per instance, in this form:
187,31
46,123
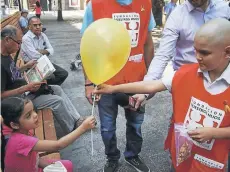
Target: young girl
22,148
38,9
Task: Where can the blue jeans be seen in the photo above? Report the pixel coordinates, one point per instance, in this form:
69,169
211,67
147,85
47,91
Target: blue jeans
108,110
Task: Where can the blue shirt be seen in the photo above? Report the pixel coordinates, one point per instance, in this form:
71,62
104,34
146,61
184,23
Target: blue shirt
169,8
88,17
178,35
23,22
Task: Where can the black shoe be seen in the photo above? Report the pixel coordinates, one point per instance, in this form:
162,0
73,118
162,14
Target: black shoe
110,166
138,164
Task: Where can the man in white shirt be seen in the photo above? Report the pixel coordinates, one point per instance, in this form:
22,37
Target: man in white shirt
213,69
35,44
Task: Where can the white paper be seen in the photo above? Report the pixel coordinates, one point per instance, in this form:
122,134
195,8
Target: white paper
42,70
56,167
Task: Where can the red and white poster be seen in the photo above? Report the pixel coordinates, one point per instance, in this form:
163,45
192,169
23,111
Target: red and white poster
131,22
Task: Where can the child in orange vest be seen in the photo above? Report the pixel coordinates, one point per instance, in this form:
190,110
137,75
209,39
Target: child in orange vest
201,99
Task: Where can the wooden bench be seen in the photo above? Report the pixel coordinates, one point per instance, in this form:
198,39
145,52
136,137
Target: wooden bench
11,20
46,129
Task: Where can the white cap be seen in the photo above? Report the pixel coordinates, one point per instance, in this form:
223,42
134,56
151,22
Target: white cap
24,11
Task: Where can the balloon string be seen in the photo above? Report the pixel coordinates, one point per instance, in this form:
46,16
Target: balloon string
92,113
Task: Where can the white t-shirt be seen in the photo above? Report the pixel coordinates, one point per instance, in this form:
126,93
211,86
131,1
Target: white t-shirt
216,87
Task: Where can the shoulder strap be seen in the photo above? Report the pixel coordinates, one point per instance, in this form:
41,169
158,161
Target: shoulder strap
16,57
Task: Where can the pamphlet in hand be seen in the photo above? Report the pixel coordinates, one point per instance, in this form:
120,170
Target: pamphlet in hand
41,71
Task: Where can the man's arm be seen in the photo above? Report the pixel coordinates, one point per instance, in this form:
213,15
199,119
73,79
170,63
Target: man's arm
28,48
32,87
23,24
166,49
149,47
88,19
13,92
49,48
28,65
4,93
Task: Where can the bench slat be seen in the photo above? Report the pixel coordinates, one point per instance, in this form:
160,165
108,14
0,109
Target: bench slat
49,128
39,132
9,19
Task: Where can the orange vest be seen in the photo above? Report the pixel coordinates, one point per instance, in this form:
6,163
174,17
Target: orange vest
193,105
136,18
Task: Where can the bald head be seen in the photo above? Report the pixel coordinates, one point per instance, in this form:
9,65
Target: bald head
216,31
212,45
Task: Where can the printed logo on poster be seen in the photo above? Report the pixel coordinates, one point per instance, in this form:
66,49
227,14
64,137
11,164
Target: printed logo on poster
131,22
208,162
200,114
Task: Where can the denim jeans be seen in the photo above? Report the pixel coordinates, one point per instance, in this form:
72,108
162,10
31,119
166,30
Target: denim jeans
60,75
108,109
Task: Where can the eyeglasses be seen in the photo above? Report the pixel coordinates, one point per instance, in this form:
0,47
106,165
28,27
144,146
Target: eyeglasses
36,25
18,42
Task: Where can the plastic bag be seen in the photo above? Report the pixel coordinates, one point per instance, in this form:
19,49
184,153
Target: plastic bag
55,167
183,143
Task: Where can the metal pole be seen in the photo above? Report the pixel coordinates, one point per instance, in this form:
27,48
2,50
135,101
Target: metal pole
19,5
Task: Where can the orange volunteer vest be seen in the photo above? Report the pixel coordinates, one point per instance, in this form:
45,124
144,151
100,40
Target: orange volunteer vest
193,105
136,18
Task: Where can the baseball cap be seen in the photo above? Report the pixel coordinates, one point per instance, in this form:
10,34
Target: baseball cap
24,11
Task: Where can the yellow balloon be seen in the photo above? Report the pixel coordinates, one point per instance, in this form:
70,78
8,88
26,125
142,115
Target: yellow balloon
105,48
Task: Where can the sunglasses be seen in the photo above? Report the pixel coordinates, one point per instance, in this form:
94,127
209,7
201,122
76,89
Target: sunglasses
18,42
36,25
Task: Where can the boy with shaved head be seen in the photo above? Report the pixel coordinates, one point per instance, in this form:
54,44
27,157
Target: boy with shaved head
201,99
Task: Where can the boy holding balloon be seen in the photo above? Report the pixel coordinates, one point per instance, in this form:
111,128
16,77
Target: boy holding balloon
200,94
137,18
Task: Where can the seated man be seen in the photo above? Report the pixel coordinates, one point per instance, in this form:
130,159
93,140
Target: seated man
23,21
13,84
200,94
35,44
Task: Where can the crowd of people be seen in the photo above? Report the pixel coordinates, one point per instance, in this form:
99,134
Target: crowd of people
195,38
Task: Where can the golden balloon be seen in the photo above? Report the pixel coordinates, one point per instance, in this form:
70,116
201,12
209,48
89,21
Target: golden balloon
105,48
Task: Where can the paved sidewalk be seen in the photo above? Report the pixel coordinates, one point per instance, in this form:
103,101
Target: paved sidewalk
65,38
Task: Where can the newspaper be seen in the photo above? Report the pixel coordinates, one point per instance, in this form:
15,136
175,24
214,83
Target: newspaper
41,71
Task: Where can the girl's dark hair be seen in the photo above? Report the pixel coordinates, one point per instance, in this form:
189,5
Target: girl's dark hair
38,4
11,109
